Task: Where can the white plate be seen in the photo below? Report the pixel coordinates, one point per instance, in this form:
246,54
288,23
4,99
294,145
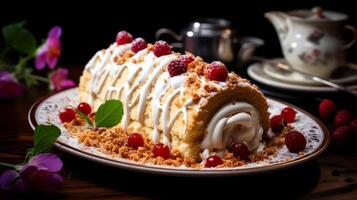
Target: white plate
256,72
46,111
349,74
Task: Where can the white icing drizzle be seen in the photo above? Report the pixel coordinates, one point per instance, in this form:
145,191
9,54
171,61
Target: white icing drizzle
103,67
161,86
236,121
150,73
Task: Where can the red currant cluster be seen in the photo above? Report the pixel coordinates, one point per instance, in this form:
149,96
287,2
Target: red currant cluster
295,141
69,114
344,123
239,150
136,140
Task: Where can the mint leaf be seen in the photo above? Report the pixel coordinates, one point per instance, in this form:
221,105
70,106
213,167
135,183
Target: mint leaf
19,38
109,114
44,137
83,116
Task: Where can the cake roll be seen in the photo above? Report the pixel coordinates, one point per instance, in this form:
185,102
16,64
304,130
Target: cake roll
188,111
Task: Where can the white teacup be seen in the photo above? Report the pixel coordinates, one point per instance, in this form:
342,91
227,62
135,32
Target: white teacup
312,41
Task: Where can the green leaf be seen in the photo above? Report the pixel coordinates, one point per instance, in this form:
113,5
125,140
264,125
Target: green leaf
44,137
83,116
109,114
20,23
19,38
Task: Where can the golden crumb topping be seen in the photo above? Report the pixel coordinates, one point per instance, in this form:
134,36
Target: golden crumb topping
113,142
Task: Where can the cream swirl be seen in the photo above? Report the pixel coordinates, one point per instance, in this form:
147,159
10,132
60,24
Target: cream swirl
236,121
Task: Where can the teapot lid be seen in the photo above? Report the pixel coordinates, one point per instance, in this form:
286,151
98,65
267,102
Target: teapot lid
317,14
210,23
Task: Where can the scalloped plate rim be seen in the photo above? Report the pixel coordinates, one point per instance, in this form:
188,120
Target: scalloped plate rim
174,171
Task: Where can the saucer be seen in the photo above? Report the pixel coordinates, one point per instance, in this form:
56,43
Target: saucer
342,75
257,73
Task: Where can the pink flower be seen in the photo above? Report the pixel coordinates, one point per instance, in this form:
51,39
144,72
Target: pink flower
9,86
50,51
59,81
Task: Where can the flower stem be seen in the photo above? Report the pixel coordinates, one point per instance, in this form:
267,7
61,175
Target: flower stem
8,165
40,78
20,65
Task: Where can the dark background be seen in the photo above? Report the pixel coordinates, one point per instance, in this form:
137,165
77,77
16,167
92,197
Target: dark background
91,25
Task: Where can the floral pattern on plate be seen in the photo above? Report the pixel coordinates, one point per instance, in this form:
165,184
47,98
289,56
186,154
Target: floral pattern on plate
47,112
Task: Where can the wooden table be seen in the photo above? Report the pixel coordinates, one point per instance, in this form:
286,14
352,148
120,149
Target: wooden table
332,176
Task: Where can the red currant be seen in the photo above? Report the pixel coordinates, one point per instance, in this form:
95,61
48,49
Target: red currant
138,44
288,114
161,150
176,68
217,71
84,108
213,161
135,140
187,59
327,108
239,149
277,123
295,141
67,115
124,37
161,48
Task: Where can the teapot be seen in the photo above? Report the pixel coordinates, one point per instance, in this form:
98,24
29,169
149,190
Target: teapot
312,40
212,39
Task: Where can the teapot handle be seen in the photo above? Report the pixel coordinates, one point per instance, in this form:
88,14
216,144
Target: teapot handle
354,39
163,31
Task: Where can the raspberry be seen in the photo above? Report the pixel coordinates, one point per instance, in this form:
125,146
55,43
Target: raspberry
138,44
295,141
161,150
327,108
277,123
341,134
135,140
161,48
288,114
240,149
176,68
84,108
187,59
123,37
342,118
217,71
67,115
213,161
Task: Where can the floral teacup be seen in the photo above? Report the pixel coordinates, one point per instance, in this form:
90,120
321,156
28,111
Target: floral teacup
312,41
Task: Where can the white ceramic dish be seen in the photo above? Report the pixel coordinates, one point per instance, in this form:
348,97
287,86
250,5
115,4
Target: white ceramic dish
46,111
